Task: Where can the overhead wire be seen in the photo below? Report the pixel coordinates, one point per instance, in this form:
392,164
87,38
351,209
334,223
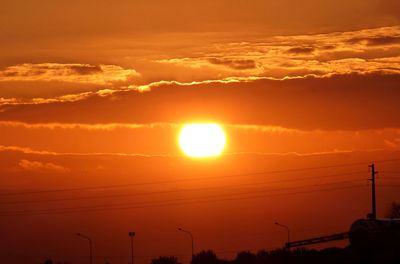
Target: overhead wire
192,179
181,190
163,203
253,191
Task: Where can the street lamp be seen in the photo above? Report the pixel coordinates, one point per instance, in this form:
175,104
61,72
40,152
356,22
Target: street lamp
90,245
287,228
191,236
132,234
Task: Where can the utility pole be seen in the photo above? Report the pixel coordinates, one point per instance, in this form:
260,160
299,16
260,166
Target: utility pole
132,234
373,173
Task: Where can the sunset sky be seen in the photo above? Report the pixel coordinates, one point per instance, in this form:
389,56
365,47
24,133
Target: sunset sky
94,94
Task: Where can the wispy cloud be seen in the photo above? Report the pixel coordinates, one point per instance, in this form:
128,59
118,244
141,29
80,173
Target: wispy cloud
290,102
76,73
305,154
269,129
114,126
27,150
35,165
107,127
42,166
133,87
129,140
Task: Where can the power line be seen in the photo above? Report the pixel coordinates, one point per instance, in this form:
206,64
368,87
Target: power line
194,179
110,207
174,191
172,204
236,193
388,178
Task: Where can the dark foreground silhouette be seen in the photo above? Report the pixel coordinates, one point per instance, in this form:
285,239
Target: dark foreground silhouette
346,255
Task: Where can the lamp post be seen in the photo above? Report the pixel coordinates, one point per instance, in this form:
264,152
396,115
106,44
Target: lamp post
191,236
287,228
132,234
90,246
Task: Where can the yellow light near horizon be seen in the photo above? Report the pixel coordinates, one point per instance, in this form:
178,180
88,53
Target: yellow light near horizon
202,140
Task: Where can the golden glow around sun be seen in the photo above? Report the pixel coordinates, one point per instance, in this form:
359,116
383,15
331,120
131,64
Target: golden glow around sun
202,140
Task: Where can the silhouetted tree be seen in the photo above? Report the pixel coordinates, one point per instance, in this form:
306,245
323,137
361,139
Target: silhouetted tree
165,260
246,257
348,255
276,256
205,257
394,211
263,256
49,261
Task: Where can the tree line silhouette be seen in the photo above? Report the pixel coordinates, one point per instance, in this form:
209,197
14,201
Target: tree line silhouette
333,255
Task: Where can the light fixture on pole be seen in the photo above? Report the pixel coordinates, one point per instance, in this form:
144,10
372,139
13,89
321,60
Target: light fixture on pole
131,235
90,246
191,236
287,228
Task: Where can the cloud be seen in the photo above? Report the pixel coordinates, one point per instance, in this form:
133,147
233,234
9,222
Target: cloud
301,50
48,166
236,64
76,73
42,166
161,140
86,69
345,52
376,40
269,129
57,99
336,102
108,93
114,126
105,127
275,57
385,40
8,101
305,154
131,126
27,150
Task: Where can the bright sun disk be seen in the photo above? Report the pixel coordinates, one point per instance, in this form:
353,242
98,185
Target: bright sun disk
202,140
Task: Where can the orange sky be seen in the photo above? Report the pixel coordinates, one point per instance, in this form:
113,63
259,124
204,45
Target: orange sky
93,96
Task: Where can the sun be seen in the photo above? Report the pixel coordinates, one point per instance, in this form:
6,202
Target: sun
202,140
